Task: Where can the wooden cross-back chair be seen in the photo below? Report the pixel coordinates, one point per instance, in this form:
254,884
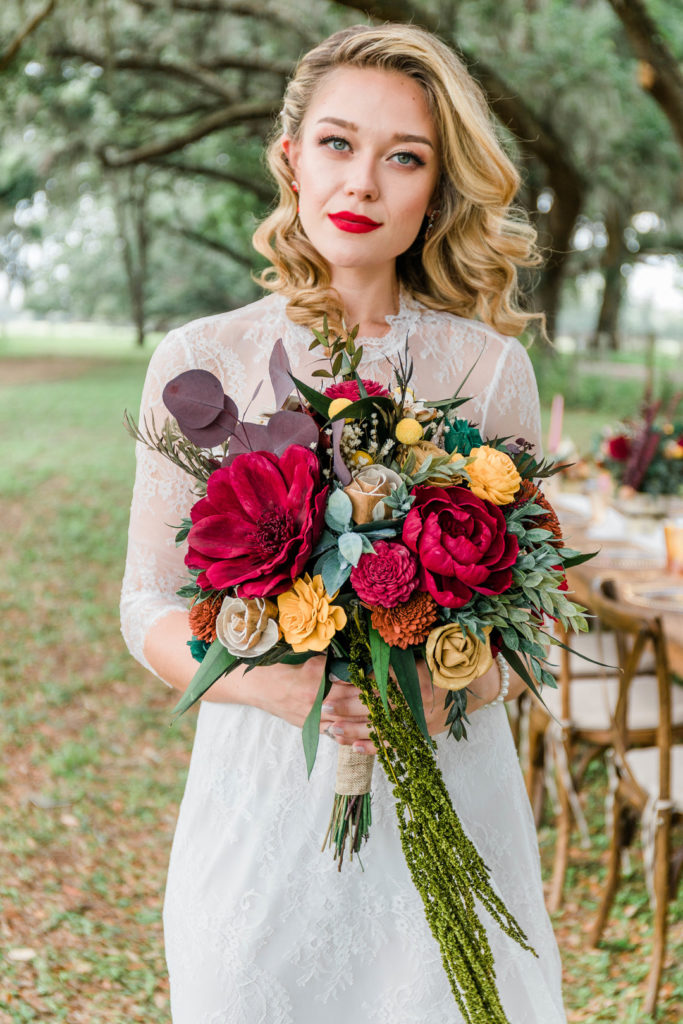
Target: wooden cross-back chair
648,780
575,727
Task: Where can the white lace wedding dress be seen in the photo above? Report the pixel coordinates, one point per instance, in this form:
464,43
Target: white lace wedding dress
260,927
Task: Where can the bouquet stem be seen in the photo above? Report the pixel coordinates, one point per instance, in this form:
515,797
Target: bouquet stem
351,814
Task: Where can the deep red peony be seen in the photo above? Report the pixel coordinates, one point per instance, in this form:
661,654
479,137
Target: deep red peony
619,448
386,578
462,544
349,389
258,523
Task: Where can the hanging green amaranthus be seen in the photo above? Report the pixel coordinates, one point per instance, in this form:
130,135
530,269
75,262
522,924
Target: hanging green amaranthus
445,867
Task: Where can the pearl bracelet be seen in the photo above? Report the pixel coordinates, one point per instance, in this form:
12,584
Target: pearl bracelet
504,670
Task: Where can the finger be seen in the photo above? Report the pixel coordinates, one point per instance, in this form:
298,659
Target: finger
349,707
350,730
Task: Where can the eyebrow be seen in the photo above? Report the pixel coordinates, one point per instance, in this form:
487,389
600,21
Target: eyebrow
398,137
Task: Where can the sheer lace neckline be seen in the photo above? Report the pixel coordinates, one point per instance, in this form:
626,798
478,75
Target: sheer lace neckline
401,325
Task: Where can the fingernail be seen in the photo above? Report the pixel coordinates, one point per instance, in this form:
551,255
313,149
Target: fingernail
328,709
359,748
337,730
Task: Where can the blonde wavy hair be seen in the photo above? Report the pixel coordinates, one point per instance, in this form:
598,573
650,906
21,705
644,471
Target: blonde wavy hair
469,264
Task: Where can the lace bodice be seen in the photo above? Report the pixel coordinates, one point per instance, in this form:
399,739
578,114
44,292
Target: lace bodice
236,346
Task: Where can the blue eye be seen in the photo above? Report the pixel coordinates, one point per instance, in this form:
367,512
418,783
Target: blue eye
336,143
405,159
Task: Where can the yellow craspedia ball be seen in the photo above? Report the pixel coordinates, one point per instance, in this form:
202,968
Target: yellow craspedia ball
408,431
361,458
337,405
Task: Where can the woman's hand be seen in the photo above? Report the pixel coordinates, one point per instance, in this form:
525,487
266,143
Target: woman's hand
287,691
345,717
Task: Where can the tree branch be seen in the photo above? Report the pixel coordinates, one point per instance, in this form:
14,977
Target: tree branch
238,8
661,75
29,27
209,243
138,62
252,110
201,72
259,189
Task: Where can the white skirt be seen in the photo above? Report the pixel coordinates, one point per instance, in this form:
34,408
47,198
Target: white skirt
260,926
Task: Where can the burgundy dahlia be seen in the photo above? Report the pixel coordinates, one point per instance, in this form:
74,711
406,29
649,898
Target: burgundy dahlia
349,389
461,543
386,578
258,523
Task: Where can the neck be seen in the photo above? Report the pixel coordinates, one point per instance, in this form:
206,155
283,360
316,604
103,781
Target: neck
368,299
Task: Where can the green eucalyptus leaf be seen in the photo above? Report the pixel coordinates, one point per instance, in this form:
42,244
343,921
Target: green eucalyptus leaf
351,547
338,511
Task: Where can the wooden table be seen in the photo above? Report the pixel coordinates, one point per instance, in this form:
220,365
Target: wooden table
582,580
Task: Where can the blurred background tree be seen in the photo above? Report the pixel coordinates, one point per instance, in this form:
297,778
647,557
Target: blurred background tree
131,173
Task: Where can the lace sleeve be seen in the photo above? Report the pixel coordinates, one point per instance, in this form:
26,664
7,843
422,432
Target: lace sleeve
512,405
161,497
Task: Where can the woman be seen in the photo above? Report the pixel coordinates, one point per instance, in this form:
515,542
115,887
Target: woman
393,214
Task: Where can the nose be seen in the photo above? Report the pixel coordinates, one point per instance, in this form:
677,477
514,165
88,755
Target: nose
362,181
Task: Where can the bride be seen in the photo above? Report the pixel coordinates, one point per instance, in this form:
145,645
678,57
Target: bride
394,213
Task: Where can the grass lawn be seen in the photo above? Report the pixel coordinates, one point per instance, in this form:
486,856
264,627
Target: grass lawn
91,773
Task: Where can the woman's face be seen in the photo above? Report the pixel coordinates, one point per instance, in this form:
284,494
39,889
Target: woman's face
367,166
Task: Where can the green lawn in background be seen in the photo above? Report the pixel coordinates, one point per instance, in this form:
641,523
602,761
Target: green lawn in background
92,774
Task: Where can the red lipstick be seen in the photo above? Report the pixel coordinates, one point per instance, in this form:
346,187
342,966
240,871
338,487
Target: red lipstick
356,223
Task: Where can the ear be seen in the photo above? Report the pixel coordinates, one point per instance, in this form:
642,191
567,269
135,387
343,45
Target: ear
291,149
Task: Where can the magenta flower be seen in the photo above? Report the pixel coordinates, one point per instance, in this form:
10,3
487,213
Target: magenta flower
462,544
386,578
349,389
258,523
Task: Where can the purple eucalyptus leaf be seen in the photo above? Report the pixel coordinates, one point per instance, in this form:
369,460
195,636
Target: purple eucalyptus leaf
209,437
286,427
195,398
280,373
247,437
340,468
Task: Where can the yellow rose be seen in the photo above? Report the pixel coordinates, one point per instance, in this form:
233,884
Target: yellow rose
493,475
421,450
456,660
308,620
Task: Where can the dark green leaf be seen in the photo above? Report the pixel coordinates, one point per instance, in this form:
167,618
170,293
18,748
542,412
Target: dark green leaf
318,402
380,652
310,732
217,662
577,559
321,373
405,669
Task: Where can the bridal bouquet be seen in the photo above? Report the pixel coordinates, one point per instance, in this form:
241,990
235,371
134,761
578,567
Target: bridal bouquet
368,524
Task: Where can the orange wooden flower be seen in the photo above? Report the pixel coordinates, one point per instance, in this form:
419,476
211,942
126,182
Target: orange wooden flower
407,623
203,619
